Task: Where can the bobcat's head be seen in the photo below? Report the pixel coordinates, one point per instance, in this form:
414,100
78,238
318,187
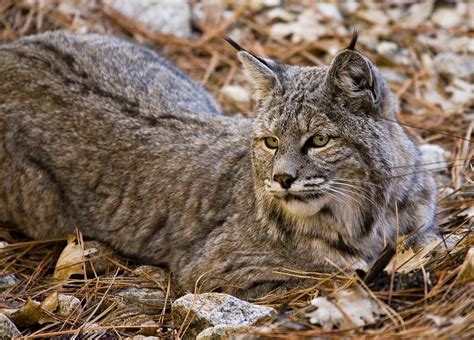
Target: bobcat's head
322,139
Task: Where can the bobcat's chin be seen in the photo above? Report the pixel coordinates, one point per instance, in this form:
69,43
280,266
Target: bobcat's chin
304,208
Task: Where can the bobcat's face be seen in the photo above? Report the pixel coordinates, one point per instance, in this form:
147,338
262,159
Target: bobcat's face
321,137
304,161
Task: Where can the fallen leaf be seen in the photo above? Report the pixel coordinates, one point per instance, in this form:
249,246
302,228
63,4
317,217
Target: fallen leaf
29,314
407,260
50,304
71,260
33,312
348,308
467,269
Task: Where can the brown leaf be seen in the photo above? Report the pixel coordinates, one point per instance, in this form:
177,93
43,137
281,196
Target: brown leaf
71,260
467,269
33,312
50,304
29,314
407,261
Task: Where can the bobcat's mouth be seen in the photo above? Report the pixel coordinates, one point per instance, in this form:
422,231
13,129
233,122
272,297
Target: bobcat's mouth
301,197
303,204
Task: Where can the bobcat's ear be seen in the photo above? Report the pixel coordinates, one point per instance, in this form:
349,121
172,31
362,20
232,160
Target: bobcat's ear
355,75
261,72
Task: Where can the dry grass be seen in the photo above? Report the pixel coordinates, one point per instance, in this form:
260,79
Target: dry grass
413,300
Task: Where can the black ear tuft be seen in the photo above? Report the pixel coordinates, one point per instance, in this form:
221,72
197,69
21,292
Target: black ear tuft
234,44
355,36
239,48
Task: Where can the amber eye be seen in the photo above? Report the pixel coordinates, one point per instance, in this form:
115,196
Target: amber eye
271,142
318,141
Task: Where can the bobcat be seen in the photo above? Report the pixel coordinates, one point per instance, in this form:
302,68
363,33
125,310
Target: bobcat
108,137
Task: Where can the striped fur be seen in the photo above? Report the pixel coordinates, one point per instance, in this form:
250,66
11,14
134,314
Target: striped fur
108,137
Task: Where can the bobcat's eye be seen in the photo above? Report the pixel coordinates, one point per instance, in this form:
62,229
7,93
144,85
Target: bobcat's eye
271,142
318,141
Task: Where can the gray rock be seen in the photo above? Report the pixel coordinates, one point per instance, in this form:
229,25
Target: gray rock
393,54
166,16
157,275
448,17
213,309
8,280
452,65
144,298
8,329
98,263
236,94
68,304
224,332
393,76
433,158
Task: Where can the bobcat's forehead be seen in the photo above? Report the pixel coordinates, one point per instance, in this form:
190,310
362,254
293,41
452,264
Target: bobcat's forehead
304,119
300,105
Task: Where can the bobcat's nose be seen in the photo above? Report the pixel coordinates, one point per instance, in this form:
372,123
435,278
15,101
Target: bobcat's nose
285,180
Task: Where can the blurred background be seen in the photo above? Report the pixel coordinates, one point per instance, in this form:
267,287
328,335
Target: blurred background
424,48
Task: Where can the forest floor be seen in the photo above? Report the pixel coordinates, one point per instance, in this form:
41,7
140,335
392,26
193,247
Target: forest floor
425,52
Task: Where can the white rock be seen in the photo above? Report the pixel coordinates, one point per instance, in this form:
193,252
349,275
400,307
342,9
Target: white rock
461,92
259,4
454,65
271,3
212,309
281,14
219,332
68,304
444,42
392,76
433,158
328,11
374,16
166,16
8,329
306,28
236,94
417,14
348,6
393,54
447,17
443,321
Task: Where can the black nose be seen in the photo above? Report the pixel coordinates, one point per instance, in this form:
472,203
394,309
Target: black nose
285,180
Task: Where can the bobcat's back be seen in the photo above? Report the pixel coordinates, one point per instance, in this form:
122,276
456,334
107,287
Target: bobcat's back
128,74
